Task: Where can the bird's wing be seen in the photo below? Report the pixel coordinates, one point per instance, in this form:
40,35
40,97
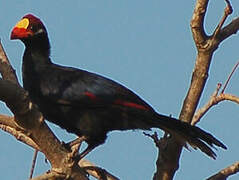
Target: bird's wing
74,87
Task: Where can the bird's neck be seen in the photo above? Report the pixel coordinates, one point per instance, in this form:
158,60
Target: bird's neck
38,48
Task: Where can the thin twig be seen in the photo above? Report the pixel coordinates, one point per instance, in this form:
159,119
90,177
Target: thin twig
227,11
215,98
213,101
197,116
229,77
33,163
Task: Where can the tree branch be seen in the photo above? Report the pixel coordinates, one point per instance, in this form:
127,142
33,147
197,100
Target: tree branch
226,172
50,175
31,120
197,22
227,11
28,126
95,171
214,100
8,125
7,72
168,158
229,30
229,77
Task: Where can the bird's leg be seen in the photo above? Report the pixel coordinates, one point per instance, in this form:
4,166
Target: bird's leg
75,144
75,149
84,153
78,140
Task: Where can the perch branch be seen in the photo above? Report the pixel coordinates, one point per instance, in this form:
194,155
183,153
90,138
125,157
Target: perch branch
8,125
29,127
7,72
27,116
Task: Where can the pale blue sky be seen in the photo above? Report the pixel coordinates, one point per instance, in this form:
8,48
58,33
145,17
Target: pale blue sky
145,45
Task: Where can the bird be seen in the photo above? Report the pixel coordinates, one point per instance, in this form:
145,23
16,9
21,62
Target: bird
91,105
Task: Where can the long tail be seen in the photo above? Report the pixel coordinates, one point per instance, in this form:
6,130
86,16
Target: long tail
193,135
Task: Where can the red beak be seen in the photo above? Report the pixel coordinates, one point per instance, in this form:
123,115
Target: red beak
19,33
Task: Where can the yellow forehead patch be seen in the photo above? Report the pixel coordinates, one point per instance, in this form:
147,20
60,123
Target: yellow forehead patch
23,23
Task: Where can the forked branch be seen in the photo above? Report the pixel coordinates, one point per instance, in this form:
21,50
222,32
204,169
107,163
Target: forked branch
206,46
216,98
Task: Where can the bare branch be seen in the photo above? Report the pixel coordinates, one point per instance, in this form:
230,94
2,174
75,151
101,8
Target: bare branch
28,117
210,43
50,175
95,171
197,116
229,30
19,103
227,11
31,120
197,22
36,133
167,162
33,163
214,100
8,124
8,73
225,173
229,77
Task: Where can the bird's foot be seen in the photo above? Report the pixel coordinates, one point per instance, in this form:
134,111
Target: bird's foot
78,140
74,145
84,153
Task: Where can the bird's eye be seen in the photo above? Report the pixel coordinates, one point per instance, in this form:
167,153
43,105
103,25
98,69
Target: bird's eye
33,28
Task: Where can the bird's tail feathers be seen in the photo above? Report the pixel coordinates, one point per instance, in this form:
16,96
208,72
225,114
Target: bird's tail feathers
193,135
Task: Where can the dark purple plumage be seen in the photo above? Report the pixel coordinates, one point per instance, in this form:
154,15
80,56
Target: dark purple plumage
88,104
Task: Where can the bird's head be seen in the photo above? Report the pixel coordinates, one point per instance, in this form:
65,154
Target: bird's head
29,26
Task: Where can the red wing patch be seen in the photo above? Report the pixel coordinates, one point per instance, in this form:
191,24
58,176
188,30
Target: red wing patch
130,104
90,95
